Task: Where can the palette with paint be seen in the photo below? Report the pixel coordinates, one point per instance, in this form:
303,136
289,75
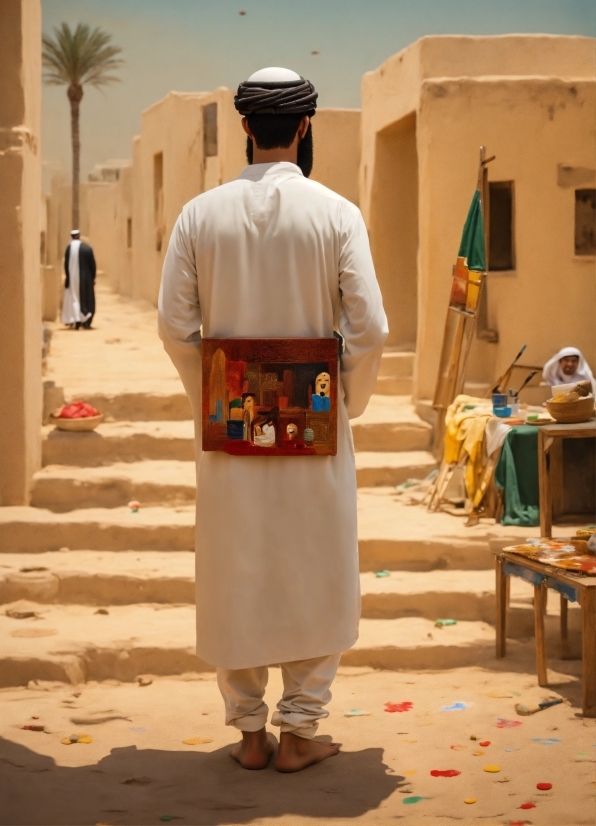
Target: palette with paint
565,553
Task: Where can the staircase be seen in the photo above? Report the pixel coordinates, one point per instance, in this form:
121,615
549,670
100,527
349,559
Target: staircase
112,591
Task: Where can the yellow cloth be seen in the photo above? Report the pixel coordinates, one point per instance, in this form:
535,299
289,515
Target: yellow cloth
464,438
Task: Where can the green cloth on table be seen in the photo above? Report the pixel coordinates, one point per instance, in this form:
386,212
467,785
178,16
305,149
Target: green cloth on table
517,475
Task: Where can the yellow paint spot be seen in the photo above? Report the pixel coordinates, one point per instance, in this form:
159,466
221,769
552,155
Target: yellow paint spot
197,741
66,742
409,772
492,769
477,753
85,739
470,800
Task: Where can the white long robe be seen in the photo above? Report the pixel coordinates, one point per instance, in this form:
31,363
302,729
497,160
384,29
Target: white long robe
71,302
274,255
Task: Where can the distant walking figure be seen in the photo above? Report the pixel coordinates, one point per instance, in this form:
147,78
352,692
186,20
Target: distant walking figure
78,305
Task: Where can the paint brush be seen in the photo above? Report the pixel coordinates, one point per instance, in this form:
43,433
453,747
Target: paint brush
505,377
524,711
527,381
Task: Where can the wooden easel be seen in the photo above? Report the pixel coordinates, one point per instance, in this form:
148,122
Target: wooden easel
458,335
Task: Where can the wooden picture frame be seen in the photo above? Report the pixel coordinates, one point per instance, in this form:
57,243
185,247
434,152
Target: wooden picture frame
270,397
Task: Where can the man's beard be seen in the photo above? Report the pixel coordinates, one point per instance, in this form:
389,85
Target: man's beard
305,152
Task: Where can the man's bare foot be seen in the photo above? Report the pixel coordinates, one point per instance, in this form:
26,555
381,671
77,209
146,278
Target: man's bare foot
254,751
296,753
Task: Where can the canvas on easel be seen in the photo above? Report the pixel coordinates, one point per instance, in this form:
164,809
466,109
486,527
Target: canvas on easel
270,397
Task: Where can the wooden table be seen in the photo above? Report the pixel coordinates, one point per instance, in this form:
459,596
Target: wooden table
572,588
550,477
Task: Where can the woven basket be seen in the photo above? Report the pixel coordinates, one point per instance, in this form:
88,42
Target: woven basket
79,425
572,412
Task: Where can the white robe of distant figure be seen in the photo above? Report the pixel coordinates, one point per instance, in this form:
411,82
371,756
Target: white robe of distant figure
274,255
71,303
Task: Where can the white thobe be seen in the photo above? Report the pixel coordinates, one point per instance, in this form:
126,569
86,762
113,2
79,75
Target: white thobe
274,255
71,302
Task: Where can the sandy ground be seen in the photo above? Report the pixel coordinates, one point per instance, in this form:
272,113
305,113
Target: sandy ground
121,352
137,770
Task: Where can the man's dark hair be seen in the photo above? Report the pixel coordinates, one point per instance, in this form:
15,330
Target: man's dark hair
272,131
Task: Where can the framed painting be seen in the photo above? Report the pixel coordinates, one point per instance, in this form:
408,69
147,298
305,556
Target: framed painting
270,397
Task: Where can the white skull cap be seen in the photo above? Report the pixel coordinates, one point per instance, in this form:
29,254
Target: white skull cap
273,74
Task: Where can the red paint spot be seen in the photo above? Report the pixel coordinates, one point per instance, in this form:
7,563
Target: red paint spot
544,787
445,773
507,723
528,806
484,743
392,707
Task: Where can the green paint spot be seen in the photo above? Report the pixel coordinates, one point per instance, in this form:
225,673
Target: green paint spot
415,799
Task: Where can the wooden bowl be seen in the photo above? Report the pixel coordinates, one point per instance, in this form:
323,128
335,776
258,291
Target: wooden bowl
78,425
581,410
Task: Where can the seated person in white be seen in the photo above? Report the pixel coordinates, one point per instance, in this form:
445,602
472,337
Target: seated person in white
566,367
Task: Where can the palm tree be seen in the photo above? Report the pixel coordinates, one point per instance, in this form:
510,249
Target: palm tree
73,59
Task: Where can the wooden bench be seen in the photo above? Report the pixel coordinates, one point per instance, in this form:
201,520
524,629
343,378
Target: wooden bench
572,588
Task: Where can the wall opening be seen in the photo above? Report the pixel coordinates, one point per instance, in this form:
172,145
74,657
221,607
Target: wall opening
210,130
501,245
129,233
158,199
585,221
394,228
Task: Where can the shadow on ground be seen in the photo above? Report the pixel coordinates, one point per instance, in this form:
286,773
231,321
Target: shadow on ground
133,786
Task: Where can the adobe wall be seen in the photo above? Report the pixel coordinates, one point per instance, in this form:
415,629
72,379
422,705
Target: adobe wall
20,301
173,127
532,125
417,97
336,138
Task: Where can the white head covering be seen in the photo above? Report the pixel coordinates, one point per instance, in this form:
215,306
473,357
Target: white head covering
74,233
553,373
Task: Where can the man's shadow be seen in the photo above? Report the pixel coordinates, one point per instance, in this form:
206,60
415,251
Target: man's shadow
139,786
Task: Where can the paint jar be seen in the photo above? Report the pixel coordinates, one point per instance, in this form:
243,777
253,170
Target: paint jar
499,400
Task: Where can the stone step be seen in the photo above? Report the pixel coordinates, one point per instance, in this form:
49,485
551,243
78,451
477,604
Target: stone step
397,364
392,386
377,468
104,578
119,442
153,482
64,488
390,423
392,535
142,406
74,643
34,530
99,577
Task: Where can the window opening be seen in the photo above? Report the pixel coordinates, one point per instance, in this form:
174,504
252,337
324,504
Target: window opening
501,229
210,130
585,221
129,233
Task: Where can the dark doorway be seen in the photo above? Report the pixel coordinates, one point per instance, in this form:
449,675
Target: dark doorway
501,229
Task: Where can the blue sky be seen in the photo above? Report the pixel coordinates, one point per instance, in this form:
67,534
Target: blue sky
197,45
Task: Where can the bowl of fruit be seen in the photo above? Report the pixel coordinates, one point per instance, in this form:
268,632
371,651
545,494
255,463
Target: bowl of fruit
77,416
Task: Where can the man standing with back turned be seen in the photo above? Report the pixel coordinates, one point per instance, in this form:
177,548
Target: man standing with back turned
274,255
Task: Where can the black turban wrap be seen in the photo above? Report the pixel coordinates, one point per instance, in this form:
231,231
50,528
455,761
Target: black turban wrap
293,97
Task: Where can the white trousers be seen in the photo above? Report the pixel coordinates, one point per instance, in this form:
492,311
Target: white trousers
306,692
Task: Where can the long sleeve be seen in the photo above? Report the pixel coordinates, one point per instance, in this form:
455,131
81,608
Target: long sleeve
362,320
179,312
